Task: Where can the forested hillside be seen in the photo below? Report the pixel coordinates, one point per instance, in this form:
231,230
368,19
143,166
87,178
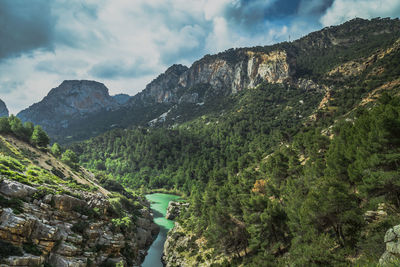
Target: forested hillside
299,172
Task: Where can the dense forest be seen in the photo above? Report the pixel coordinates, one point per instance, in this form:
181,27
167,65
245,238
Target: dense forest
272,176
310,191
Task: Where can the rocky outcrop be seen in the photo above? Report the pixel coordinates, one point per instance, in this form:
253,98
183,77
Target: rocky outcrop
3,109
391,256
64,231
71,100
15,189
121,98
183,248
219,75
164,89
175,208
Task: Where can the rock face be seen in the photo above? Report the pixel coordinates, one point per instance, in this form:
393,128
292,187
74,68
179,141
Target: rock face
55,226
3,109
71,100
121,98
15,189
391,256
174,209
217,75
163,89
185,249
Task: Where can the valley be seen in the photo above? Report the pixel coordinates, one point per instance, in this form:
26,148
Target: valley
285,155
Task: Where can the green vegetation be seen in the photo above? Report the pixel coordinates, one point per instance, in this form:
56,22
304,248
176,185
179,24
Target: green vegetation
263,188
8,249
69,157
266,181
39,137
32,248
80,227
26,132
56,150
14,203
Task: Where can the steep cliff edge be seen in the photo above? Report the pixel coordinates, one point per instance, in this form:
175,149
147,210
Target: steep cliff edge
52,214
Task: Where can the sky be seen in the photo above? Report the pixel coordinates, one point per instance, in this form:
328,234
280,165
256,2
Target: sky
127,43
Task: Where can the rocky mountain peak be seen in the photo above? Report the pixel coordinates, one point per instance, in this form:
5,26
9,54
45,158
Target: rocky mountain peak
71,99
3,109
177,69
121,98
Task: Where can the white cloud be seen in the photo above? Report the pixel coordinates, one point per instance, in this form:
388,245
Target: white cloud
125,44
343,10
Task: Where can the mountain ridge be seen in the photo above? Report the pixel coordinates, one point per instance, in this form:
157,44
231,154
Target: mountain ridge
212,77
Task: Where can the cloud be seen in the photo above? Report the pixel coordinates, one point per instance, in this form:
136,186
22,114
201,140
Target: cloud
343,10
114,69
313,7
25,26
125,44
7,86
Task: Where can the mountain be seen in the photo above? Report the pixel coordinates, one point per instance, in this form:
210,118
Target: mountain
179,94
68,104
288,153
121,98
3,109
55,213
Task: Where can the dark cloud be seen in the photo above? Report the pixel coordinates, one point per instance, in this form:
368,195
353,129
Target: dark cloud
119,69
252,14
314,7
25,26
248,14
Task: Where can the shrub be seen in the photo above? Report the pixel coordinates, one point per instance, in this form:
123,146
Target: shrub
39,137
123,224
70,158
80,227
56,150
32,248
15,204
7,249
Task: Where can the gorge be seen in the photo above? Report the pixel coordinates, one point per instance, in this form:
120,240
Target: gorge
288,154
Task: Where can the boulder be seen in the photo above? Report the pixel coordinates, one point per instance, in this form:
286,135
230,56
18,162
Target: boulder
16,189
67,203
391,256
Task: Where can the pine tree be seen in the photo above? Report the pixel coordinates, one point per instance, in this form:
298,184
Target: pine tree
56,150
39,137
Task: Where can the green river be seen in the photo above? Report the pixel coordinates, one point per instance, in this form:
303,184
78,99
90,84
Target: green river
159,203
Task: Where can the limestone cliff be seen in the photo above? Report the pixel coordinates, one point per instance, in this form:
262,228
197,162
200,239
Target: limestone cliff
219,75
71,100
50,213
